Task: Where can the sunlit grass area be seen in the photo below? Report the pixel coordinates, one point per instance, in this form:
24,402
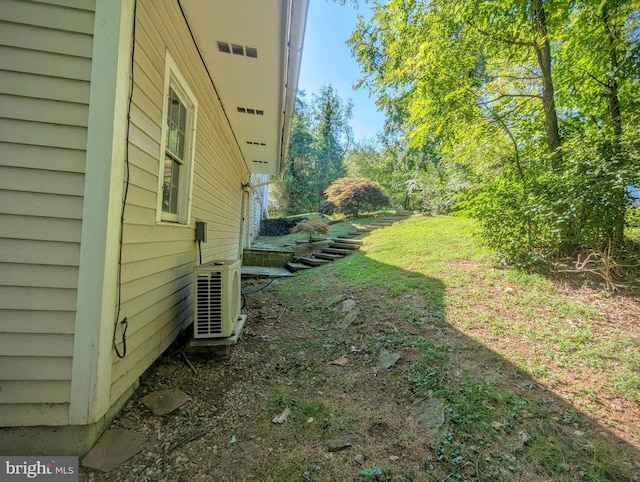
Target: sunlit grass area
526,367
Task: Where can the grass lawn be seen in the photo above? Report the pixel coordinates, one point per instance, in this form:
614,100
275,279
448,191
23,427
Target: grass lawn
539,379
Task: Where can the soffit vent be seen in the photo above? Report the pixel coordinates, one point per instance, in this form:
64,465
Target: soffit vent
237,49
248,110
251,143
260,162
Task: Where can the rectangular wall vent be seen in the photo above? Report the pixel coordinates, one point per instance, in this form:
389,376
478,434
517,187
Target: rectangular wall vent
260,162
237,49
248,110
252,143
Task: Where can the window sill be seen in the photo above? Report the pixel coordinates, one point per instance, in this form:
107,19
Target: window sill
175,224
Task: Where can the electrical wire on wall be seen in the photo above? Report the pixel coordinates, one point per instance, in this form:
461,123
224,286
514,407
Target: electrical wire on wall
125,321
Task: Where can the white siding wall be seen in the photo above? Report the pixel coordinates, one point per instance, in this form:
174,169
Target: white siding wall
258,202
158,259
45,67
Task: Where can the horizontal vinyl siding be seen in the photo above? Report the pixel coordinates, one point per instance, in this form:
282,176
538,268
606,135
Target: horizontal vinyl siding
158,259
45,68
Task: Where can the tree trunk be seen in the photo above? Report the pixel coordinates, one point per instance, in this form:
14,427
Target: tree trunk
618,162
543,54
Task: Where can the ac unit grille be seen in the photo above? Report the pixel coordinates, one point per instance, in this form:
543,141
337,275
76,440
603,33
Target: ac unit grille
216,302
209,304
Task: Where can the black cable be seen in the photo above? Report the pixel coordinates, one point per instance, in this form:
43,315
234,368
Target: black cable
200,250
125,321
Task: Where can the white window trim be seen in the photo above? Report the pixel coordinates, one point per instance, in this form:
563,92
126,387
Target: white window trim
173,78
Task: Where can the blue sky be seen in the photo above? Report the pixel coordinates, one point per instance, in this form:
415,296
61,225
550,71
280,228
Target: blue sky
326,59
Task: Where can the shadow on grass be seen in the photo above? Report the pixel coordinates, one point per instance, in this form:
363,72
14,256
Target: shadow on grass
491,420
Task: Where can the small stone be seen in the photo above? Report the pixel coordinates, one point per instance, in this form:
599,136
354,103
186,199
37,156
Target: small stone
430,414
342,361
349,319
359,459
166,370
348,305
388,359
340,443
282,417
163,402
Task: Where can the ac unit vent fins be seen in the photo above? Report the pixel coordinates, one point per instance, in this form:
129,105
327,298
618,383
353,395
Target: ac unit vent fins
237,49
209,300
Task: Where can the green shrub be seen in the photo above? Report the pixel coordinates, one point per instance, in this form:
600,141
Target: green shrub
278,226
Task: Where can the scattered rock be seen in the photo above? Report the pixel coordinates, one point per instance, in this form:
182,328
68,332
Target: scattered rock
393,458
342,361
340,443
113,448
348,319
359,459
127,423
166,370
249,462
335,299
165,401
282,417
388,359
248,446
348,305
430,415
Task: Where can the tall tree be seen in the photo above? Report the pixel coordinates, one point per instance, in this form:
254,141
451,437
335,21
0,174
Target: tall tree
296,191
320,137
332,135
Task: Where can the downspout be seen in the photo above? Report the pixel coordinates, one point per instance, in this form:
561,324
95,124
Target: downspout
246,188
295,40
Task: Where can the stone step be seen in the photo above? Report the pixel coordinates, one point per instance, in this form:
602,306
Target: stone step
340,239
339,245
343,252
312,261
293,267
327,256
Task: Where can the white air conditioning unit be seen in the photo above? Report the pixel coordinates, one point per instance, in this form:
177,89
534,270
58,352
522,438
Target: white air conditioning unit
216,298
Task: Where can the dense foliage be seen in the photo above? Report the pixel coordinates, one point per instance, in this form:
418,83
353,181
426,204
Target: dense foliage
311,226
320,137
279,226
531,107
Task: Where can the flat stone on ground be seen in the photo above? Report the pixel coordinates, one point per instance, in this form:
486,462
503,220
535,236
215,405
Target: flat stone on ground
348,305
113,448
165,401
349,319
429,414
339,443
388,359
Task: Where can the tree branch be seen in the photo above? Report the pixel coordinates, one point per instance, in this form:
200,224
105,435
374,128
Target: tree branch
500,38
502,96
